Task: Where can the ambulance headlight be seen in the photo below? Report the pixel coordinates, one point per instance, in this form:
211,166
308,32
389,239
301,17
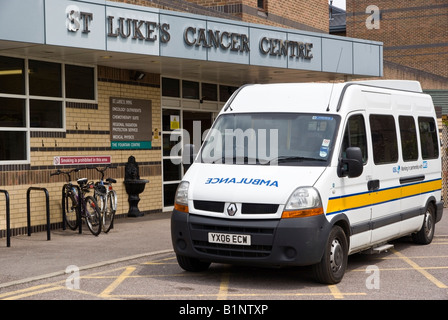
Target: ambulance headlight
303,202
181,198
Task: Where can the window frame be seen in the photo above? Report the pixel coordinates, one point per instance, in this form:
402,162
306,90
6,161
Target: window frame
28,98
403,139
347,127
263,7
434,136
374,144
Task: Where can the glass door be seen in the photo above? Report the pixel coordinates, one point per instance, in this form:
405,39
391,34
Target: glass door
179,128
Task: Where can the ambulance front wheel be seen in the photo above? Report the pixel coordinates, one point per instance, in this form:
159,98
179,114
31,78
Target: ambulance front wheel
192,264
331,268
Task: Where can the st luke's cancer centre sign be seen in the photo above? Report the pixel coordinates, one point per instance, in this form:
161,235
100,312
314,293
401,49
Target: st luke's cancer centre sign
150,31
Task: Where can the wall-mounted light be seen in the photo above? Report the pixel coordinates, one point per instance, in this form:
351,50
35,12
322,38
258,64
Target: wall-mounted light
139,75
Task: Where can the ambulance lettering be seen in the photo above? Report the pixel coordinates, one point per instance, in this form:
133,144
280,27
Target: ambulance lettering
252,181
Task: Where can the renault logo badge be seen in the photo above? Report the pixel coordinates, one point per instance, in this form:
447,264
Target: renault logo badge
231,209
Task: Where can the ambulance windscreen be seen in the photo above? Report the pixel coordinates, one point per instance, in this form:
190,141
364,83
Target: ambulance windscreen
295,139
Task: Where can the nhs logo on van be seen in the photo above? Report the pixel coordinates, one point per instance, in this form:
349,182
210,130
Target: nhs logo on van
396,169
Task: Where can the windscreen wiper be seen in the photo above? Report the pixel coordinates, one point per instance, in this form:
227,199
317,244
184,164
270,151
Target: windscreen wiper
283,159
237,160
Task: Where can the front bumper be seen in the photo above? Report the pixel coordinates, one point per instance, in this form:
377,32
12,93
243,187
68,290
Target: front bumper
280,242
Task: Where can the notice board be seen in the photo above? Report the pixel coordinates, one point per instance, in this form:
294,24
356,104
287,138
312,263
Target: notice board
130,123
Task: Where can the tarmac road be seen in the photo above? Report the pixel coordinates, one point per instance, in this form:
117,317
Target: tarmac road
135,261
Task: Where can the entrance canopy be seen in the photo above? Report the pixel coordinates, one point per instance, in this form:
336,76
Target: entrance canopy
99,32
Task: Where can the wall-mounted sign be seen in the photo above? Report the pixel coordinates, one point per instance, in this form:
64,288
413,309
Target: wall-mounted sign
130,123
126,27
112,26
80,160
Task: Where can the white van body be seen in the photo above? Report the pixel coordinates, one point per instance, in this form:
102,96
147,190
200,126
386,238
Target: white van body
319,171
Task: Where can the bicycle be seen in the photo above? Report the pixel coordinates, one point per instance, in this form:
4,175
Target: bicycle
106,197
77,205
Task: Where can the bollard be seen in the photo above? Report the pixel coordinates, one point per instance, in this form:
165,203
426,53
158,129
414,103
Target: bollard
29,213
8,219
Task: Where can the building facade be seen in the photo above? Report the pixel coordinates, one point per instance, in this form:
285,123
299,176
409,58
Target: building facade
415,39
92,82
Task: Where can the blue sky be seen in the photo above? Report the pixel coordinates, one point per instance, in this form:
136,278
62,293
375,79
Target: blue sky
338,3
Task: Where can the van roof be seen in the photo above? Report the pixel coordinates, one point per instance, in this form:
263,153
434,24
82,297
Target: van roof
315,97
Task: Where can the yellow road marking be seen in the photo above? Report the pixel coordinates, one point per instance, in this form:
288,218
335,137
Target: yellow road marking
241,295
125,274
223,286
416,267
32,293
401,269
337,294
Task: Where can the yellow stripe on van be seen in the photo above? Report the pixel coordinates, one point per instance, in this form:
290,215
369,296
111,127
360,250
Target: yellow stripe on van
359,200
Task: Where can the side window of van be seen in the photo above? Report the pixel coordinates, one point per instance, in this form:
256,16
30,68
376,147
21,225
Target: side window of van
384,139
428,138
408,135
355,136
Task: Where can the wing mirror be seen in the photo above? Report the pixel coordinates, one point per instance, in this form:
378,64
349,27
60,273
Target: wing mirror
351,166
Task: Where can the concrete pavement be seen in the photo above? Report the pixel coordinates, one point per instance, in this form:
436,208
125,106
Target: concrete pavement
34,257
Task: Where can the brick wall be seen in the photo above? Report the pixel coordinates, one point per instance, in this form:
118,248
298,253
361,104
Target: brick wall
294,14
87,134
414,33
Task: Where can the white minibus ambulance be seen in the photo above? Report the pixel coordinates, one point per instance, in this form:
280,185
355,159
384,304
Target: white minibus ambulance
309,173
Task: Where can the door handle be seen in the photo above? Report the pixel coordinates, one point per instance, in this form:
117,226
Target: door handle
373,185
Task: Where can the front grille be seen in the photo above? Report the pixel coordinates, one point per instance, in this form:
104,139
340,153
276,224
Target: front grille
213,206
232,229
254,208
246,208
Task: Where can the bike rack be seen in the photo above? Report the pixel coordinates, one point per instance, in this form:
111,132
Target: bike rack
78,215
8,219
47,197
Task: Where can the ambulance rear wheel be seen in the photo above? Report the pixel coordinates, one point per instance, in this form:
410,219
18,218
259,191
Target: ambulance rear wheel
192,264
331,268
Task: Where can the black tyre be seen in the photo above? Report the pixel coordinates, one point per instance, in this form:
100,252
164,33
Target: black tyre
426,233
192,264
109,212
93,216
70,204
331,268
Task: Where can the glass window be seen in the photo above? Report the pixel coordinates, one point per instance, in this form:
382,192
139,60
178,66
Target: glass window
190,89
171,171
12,112
289,139
46,114
45,79
79,82
225,92
12,75
170,120
170,87
384,139
169,142
355,136
209,91
169,192
13,145
428,138
408,135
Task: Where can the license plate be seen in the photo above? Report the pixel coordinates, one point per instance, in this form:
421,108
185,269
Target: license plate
228,238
